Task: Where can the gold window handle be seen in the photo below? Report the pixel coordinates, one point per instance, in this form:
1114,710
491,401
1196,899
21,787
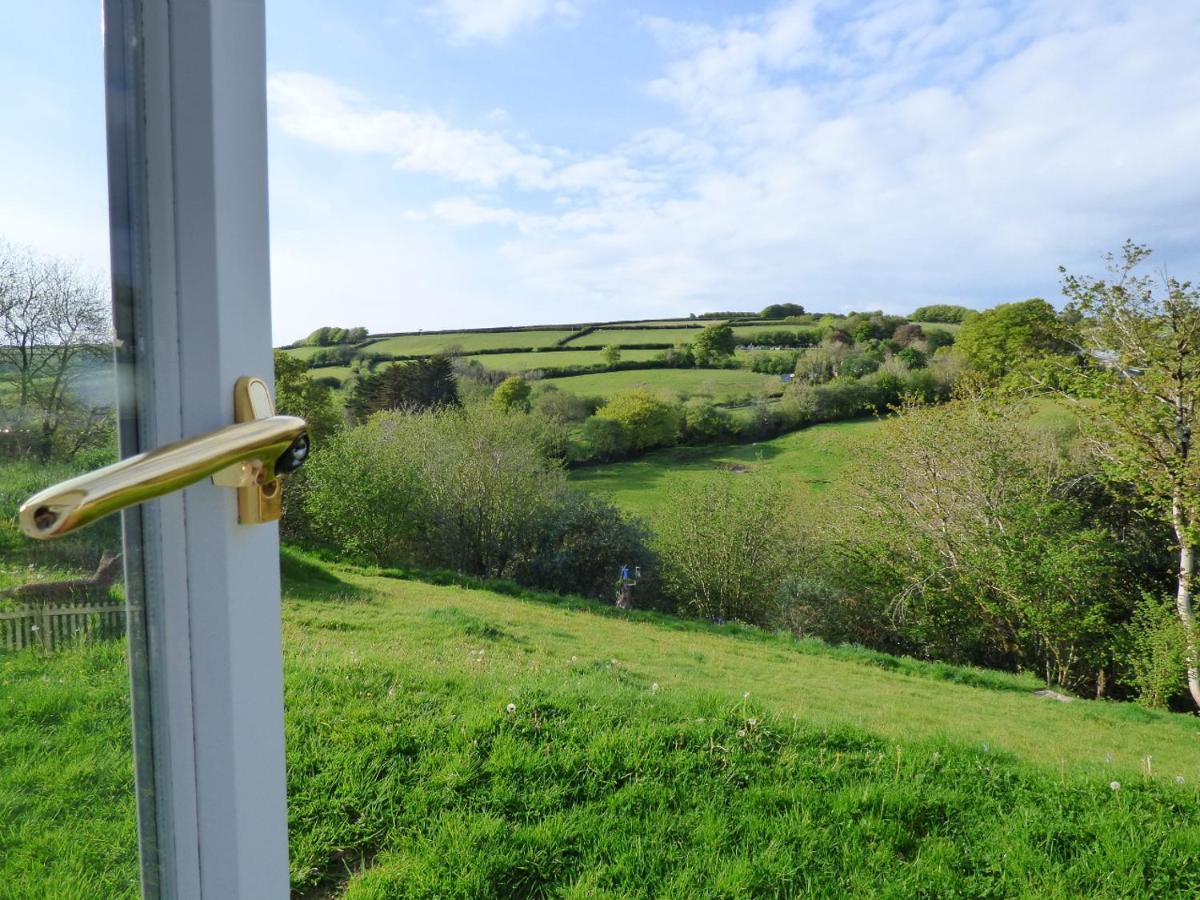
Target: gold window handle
251,456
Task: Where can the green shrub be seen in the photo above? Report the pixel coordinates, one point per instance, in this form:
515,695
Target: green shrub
564,406
725,549
649,420
474,491
512,395
1157,654
704,423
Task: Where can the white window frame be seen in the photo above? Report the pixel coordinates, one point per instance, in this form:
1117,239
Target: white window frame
187,137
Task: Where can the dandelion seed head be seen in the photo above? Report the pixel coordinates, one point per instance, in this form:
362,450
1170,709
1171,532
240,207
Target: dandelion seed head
1179,779
654,687
1114,785
746,695
512,708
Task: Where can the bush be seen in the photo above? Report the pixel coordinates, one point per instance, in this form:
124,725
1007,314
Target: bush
467,490
774,363
605,439
564,406
512,395
856,365
704,423
1157,654
908,334
583,546
725,549
649,420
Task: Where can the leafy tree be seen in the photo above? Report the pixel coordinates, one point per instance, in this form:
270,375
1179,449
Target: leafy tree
908,334
1144,402
297,394
856,365
913,358
936,338
611,354
963,526
942,312
512,395
605,439
820,364
782,311
713,344
326,336
650,421
1009,337
725,549
680,356
420,384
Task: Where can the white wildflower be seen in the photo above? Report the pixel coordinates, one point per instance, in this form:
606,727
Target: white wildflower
512,708
654,688
1115,785
1179,779
741,732
746,695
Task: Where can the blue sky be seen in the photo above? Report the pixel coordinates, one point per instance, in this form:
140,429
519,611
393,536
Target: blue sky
449,163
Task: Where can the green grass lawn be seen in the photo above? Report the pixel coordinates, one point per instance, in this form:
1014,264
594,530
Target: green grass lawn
807,461
721,384
416,344
642,757
525,362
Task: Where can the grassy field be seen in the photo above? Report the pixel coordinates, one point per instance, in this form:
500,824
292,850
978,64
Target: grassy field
622,336
721,384
525,362
807,461
453,742
417,344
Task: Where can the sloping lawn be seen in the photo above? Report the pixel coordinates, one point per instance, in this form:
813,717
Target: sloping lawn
453,742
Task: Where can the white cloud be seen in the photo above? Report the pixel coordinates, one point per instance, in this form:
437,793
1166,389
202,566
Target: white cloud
323,112
495,20
882,154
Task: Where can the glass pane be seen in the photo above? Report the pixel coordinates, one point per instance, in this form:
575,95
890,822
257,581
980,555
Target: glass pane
68,821
697,505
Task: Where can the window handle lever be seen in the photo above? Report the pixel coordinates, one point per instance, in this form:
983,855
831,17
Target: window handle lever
251,456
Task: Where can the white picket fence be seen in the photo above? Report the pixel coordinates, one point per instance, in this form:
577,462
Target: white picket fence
49,625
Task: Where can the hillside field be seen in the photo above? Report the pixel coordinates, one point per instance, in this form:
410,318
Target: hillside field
467,342
526,362
721,384
807,462
445,741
